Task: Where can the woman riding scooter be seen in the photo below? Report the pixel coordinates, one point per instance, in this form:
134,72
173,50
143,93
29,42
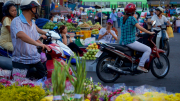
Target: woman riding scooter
128,30
9,12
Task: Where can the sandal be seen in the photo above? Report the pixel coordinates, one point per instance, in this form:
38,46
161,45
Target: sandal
143,70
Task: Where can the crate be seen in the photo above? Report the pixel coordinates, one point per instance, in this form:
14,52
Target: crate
86,33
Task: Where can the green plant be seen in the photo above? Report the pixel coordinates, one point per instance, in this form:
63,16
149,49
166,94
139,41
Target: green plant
58,79
80,74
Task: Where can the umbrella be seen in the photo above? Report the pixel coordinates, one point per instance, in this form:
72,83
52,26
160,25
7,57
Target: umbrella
61,10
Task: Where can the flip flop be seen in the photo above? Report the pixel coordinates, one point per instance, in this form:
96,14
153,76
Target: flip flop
140,69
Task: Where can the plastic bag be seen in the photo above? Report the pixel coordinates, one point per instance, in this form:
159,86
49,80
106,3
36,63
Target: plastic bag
170,32
89,41
43,57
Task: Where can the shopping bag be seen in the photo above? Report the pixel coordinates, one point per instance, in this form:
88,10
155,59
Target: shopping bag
170,32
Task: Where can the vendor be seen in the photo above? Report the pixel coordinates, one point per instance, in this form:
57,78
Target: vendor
51,17
67,40
69,19
106,35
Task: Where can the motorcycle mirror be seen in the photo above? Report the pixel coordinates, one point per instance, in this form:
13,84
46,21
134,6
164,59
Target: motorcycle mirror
154,23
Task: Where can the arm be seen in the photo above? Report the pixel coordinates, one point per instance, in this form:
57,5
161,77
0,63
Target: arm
169,23
70,40
110,16
142,29
40,31
8,27
113,35
64,40
101,36
24,37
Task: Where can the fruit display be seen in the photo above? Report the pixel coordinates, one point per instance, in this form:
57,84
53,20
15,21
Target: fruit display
92,50
96,26
84,25
49,25
95,31
78,29
60,24
90,23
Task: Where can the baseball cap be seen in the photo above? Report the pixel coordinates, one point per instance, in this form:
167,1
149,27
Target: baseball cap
110,21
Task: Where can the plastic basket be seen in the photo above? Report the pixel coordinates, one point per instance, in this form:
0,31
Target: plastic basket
86,33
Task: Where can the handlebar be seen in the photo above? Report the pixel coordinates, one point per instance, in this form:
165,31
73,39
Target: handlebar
166,26
39,47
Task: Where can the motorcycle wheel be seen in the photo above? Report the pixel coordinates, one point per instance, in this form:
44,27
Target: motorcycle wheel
156,67
102,64
166,48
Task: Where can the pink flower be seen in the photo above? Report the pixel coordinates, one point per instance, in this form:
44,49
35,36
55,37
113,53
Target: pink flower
8,82
110,96
105,89
114,92
7,85
118,92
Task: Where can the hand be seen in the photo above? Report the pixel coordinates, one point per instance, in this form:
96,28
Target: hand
106,33
44,47
152,33
43,36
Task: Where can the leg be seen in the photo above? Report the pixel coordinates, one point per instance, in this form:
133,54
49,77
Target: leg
22,66
75,48
141,48
41,71
118,20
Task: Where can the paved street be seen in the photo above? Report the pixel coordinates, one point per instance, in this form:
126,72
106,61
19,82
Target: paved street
171,81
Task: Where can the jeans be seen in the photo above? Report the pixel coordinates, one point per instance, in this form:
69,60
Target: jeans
118,20
141,48
36,71
75,48
114,24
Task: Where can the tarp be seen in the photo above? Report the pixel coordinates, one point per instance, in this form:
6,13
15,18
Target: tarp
41,22
61,9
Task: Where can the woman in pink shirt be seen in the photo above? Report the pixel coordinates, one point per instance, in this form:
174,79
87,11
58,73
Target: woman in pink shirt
119,15
69,19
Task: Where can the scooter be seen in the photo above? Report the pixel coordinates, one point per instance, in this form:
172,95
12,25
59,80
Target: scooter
162,39
55,38
55,53
114,60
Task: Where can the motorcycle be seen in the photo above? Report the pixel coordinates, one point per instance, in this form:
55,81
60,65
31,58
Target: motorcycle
114,60
54,37
55,53
162,39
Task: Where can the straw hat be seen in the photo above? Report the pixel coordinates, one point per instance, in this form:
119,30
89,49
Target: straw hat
99,11
81,8
90,8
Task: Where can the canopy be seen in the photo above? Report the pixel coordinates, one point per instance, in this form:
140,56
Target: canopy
61,10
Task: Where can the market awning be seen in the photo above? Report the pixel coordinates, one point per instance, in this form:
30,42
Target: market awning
61,10
85,6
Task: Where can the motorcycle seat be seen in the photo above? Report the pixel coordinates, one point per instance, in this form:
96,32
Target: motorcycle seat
120,47
5,63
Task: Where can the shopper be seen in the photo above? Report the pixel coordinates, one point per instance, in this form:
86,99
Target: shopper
113,17
119,15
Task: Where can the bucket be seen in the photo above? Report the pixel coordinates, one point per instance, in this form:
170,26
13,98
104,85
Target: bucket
86,33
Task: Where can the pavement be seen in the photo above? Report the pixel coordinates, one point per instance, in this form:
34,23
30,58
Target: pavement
171,81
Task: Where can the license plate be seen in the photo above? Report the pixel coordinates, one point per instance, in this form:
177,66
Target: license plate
98,54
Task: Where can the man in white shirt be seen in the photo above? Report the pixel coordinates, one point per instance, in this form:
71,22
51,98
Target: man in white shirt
159,18
106,35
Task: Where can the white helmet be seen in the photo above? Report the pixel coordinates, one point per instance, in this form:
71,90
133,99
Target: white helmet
160,9
28,4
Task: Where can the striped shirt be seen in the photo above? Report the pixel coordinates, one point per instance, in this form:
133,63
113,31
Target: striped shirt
128,30
23,52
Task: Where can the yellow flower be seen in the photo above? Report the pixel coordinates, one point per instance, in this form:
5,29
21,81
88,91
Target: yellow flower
87,100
